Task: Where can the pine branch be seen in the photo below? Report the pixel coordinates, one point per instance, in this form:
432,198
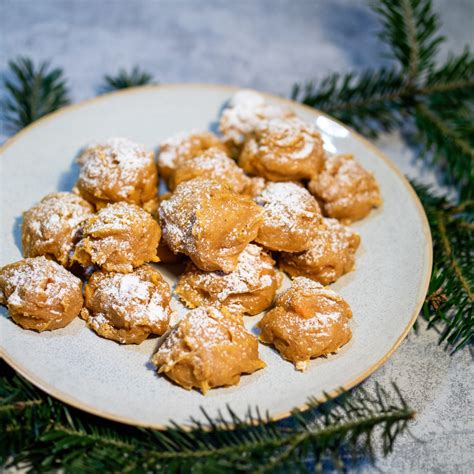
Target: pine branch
454,80
124,79
369,102
449,306
374,101
449,134
410,28
42,434
32,91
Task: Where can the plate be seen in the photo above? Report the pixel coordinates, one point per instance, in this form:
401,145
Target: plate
386,290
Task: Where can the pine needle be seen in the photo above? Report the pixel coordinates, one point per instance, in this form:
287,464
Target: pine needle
43,435
124,79
32,91
438,100
449,306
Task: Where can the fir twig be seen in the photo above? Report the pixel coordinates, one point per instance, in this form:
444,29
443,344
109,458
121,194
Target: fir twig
449,134
124,79
369,102
449,306
43,434
439,100
411,30
32,91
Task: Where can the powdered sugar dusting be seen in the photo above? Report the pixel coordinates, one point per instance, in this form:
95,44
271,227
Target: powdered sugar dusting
117,160
46,279
247,109
334,237
54,221
201,328
285,203
215,164
133,296
345,188
331,312
248,277
313,287
298,139
115,217
178,218
175,146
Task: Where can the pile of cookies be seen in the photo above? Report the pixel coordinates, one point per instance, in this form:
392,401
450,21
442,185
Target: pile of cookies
260,198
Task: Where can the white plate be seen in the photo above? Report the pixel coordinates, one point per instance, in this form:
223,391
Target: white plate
385,291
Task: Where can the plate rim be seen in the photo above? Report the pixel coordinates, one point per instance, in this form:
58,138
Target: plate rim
423,289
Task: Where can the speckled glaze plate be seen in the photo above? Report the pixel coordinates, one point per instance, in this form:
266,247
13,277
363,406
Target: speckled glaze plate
72,364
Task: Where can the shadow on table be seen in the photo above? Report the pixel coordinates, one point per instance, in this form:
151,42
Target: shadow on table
69,177
16,232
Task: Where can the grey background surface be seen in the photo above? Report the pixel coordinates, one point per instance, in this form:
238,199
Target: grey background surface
267,45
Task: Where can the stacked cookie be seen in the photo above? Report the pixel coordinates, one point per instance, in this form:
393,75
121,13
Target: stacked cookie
262,196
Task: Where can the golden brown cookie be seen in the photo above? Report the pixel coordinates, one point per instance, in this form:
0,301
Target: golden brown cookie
345,190
283,150
127,307
216,165
118,238
40,294
331,254
307,321
182,146
49,228
246,110
291,217
249,289
208,348
211,224
118,170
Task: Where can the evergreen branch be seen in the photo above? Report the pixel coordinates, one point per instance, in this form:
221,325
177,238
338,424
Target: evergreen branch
124,79
73,440
369,102
449,134
449,306
410,28
374,101
32,91
454,79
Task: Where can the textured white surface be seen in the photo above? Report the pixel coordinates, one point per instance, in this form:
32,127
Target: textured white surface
267,45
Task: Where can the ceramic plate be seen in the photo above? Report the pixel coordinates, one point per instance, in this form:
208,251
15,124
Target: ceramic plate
385,291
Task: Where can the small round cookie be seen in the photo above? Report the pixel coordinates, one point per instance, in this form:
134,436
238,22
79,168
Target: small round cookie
291,218
345,190
118,170
208,348
331,254
49,228
216,165
40,294
119,237
185,145
208,222
307,321
283,150
249,289
127,307
245,111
